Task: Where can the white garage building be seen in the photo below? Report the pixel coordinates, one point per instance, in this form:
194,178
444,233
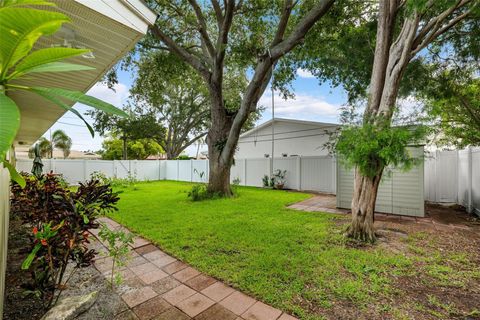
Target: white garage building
299,148
292,138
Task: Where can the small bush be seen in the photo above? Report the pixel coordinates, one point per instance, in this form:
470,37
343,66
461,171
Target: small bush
198,192
129,181
266,181
235,184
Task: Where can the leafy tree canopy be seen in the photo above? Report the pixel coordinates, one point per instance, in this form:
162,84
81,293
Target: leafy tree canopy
349,32
140,149
452,101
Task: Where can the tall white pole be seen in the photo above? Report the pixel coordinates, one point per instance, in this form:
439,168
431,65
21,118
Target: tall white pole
273,130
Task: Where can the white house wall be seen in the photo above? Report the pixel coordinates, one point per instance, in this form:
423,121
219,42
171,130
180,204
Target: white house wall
290,138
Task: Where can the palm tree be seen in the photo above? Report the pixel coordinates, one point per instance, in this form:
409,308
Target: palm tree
62,141
45,148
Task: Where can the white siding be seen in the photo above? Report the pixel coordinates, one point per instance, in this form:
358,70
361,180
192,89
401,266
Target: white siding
4,222
399,192
290,138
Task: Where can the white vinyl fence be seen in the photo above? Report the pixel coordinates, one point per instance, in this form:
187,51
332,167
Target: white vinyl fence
303,173
454,177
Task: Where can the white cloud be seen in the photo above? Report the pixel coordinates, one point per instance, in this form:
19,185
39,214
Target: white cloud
303,106
76,129
117,97
302,73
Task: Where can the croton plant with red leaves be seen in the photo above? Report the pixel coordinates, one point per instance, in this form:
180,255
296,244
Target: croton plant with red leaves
60,218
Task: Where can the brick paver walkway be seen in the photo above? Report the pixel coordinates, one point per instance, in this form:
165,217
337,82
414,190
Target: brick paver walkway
437,217
158,286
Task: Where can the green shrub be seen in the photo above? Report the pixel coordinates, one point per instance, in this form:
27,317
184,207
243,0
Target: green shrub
60,219
266,181
234,186
198,192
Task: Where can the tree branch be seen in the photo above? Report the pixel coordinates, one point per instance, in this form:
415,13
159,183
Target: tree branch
282,25
191,59
203,28
263,71
218,13
223,32
434,28
298,33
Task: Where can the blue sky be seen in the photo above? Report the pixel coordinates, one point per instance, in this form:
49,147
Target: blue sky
312,102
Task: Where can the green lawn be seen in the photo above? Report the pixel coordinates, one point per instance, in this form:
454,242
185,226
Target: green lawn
296,261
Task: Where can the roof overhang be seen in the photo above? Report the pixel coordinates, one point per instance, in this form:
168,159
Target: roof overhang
110,28
268,123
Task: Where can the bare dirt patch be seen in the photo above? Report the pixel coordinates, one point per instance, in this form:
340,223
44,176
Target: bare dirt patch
443,281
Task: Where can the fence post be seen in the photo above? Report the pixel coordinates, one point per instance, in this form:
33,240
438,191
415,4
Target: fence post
299,172
470,180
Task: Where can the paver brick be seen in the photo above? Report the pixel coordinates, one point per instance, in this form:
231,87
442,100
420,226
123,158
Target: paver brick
186,274
146,249
165,285
138,296
174,267
216,312
237,302
144,268
152,276
139,242
261,311
178,294
200,282
217,291
136,261
154,255
151,308
172,314
163,261
195,304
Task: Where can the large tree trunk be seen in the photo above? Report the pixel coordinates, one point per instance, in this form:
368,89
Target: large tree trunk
390,61
219,167
219,161
363,206
219,178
